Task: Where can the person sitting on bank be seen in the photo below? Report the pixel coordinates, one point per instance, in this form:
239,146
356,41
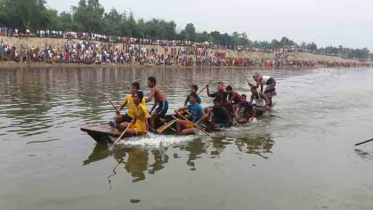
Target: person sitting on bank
160,99
139,122
183,127
270,83
193,90
128,101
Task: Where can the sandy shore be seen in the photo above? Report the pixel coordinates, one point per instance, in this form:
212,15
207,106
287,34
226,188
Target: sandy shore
254,56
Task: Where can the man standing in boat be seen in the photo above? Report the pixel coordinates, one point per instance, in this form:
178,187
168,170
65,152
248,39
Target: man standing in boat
184,127
128,101
160,99
270,83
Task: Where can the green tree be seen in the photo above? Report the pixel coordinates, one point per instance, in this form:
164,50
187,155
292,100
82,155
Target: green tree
190,32
23,14
88,15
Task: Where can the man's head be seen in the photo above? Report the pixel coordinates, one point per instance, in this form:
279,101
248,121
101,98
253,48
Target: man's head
135,87
137,97
220,86
229,89
152,82
256,77
244,96
216,102
192,98
194,88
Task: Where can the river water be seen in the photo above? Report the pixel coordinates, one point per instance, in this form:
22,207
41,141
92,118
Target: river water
304,158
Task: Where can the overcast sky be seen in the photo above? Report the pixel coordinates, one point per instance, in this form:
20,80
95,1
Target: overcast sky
326,22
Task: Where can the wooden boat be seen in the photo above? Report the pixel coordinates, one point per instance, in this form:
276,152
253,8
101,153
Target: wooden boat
105,134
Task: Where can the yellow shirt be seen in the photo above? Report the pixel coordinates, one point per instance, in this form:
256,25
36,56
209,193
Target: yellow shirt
141,115
131,105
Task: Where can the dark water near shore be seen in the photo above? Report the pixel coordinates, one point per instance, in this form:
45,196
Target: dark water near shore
303,159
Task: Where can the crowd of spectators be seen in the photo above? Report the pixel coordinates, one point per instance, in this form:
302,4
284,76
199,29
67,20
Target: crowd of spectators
88,48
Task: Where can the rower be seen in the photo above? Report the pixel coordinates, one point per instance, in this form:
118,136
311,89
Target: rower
220,96
159,98
184,127
128,101
138,127
218,115
193,90
234,99
244,112
270,83
261,100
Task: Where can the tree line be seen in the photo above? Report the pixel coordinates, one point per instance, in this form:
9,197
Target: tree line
90,16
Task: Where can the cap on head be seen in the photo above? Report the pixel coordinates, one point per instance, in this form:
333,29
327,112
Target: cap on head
256,75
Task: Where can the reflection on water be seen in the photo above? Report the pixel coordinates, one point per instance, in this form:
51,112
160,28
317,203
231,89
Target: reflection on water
139,161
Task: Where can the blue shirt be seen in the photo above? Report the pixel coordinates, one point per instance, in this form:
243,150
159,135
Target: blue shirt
198,99
196,112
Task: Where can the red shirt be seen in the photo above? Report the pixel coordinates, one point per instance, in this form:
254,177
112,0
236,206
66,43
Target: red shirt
236,98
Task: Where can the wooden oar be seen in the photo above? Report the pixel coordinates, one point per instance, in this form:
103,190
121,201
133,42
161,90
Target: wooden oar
200,129
116,141
207,85
164,127
364,142
114,106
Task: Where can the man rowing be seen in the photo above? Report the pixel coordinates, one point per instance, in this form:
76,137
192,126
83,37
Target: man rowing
245,112
183,127
139,122
193,90
261,101
270,83
160,99
220,92
234,97
129,102
219,115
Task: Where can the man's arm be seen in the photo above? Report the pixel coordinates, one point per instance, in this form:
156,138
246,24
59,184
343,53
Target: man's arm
251,99
202,118
208,91
151,96
122,105
181,109
231,99
186,101
154,105
265,99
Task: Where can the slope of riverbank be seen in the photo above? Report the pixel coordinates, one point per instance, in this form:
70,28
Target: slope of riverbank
258,58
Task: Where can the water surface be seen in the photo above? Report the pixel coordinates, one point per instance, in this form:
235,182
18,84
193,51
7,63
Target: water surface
303,159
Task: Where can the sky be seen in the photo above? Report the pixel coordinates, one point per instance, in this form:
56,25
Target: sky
325,22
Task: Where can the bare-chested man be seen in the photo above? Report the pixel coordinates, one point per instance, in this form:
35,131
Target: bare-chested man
159,98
